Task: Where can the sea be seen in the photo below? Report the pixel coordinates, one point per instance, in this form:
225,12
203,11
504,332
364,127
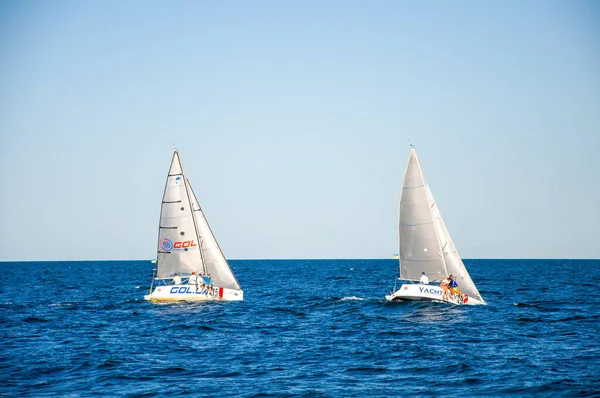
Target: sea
306,328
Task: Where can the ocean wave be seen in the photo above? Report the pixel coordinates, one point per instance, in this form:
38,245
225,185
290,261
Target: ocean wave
300,331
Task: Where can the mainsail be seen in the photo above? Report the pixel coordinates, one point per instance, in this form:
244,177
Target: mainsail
425,244
178,242
419,246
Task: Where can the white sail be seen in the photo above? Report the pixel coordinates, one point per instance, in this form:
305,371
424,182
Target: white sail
213,257
425,243
178,243
454,264
419,245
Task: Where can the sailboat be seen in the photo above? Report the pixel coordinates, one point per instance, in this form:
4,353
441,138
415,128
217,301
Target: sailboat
426,247
190,265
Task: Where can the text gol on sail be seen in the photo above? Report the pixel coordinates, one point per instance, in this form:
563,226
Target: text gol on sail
168,245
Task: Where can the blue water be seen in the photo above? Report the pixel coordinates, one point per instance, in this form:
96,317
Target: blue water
306,328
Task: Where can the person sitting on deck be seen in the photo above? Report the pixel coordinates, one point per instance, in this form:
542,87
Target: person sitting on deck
454,292
176,279
424,279
208,282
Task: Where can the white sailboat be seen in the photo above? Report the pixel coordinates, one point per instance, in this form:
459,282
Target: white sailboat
426,246
190,265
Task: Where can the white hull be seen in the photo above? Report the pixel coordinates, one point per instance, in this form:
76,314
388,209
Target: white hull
418,292
193,293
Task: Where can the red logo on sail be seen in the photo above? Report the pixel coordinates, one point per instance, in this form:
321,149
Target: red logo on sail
184,244
168,245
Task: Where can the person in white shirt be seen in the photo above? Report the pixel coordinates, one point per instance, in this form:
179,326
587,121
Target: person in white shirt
424,279
193,280
176,279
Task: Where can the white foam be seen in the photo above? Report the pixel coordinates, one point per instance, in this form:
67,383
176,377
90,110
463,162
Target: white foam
352,298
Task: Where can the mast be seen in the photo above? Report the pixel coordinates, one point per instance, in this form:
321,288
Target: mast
198,238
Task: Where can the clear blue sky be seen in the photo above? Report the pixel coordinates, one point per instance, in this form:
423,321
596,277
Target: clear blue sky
293,120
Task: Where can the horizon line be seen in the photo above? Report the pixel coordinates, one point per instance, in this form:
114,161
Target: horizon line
308,258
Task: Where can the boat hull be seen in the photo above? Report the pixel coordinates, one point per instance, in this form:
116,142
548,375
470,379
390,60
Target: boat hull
193,293
414,292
